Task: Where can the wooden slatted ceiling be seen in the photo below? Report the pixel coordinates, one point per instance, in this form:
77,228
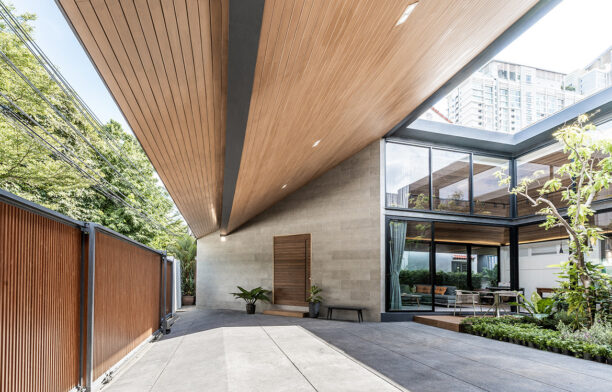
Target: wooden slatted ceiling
343,73
165,62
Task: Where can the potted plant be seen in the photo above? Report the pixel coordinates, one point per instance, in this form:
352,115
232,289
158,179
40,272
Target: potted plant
252,296
314,301
188,290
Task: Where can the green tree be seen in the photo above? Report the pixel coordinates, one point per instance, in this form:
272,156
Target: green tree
184,249
589,166
35,173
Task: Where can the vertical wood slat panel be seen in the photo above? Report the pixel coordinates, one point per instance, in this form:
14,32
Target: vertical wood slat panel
40,263
291,269
126,299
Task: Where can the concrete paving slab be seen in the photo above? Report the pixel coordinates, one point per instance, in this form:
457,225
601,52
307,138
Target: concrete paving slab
222,350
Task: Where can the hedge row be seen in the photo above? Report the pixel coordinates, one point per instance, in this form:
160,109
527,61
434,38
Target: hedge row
517,330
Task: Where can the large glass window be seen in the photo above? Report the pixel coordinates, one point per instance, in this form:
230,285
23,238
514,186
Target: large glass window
489,197
407,176
485,267
540,165
466,257
409,277
451,273
451,181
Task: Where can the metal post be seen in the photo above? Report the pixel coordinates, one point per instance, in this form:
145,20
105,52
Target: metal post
165,267
514,258
91,275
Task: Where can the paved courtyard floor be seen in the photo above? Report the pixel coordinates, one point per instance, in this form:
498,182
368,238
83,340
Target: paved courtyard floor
222,350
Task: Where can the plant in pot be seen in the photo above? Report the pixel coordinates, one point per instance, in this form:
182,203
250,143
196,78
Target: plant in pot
252,296
188,290
314,301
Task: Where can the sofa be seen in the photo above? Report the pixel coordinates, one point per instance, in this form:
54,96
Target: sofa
445,295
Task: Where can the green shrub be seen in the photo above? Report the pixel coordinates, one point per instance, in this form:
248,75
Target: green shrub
596,341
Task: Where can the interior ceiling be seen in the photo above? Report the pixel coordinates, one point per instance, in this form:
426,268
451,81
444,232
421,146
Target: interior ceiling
337,71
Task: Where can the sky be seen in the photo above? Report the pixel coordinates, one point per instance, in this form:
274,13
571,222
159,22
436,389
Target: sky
55,37
569,37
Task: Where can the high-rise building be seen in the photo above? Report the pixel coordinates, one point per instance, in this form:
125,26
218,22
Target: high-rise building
507,97
594,77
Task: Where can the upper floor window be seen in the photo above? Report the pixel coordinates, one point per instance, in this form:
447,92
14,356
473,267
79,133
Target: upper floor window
450,181
407,176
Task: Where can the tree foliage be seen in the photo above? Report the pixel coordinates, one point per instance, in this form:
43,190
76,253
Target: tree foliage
184,249
37,174
585,286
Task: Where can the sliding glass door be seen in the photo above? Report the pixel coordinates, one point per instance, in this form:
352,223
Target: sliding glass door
451,262
409,281
428,262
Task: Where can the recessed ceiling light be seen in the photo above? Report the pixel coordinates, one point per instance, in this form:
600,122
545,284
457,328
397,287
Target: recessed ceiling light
284,186
316,143
406,13
223,238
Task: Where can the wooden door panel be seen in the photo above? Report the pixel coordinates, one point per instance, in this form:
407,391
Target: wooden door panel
291,269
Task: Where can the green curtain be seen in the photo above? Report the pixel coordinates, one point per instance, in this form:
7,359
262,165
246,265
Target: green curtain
397,230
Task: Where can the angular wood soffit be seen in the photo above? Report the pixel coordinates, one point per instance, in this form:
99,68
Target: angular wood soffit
340,72
165,64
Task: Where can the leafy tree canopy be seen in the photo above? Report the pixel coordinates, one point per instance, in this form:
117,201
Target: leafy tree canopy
35,173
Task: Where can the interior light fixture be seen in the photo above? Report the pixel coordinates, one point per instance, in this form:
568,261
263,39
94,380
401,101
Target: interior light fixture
406,13
223,238
316,143
284,186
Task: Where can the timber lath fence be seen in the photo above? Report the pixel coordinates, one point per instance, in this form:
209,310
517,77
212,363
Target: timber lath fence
75,298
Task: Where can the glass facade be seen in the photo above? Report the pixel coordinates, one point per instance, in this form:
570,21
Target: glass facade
451,181
407,184
429,261
408,177
410,282
540,166
490,198
431,258
408,180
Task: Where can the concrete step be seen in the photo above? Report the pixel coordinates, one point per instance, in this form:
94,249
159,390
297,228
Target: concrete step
452,323
286,313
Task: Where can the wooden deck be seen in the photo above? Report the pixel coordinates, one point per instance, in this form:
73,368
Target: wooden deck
452,323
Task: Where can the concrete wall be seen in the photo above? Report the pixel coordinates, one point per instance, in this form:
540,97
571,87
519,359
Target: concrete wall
341,211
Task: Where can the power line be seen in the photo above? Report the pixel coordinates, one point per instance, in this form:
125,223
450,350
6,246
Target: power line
44,61
57,154
83,109
79,133
54,73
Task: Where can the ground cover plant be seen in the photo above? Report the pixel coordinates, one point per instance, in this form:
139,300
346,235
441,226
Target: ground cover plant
594,342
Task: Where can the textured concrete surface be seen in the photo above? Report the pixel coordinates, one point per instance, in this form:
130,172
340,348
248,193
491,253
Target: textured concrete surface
341,211
224,350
